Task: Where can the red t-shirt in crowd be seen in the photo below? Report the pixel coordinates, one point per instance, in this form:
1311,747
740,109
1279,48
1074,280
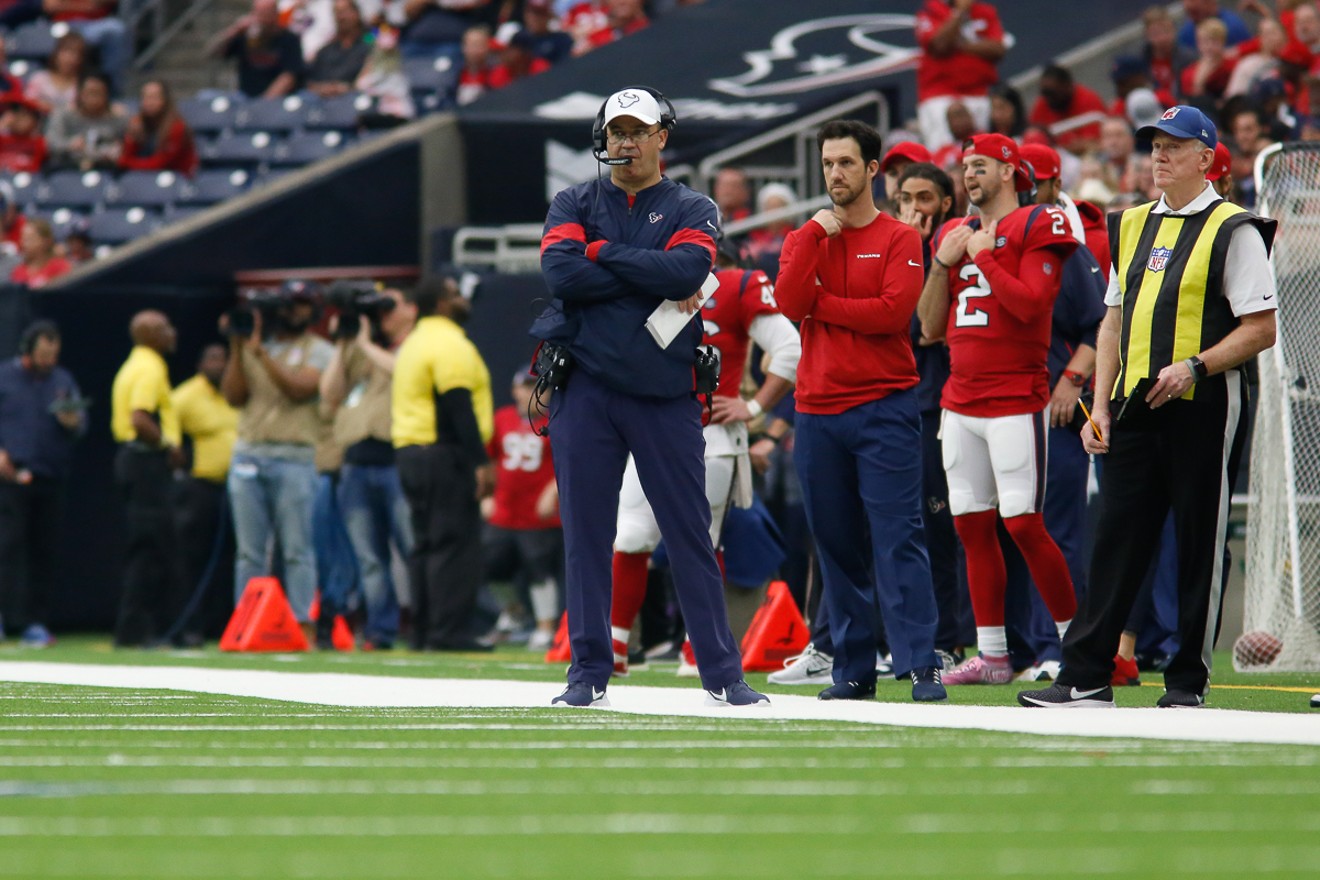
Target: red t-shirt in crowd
37,278
958,73
22,152
726,316
854,295
1085,104
1215,84
175,151
523,468
1000,309
606,35
500,75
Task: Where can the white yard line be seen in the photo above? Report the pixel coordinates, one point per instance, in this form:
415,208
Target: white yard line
371,691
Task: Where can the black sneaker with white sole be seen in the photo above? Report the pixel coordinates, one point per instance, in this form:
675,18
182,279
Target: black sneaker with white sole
1062,696
737,694
848,690
581,695
928,685
1176,699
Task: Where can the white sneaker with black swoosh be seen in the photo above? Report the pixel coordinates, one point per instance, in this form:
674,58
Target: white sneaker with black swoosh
581,695
737,694
1062,696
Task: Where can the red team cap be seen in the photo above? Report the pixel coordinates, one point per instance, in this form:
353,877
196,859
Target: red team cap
1001,149
909,150
1044,160
1221,165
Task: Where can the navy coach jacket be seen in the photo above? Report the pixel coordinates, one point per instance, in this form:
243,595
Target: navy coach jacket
609,263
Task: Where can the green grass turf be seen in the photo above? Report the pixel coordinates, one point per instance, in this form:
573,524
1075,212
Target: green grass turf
117,783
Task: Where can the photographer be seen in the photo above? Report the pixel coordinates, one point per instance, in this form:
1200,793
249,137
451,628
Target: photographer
42,413
355,387
272,377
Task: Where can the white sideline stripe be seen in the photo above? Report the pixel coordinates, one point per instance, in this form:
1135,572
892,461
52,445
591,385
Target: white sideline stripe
371,691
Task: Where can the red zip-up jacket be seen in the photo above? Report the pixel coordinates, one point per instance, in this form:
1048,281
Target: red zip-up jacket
853,296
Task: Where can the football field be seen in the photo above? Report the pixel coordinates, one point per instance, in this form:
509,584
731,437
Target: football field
202,765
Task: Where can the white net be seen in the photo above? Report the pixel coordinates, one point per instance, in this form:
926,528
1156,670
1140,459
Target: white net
1281,625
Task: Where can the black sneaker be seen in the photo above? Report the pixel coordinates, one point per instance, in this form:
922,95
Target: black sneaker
1175,699
1315,702
927,685
848,690
1062,696
737,694
581,695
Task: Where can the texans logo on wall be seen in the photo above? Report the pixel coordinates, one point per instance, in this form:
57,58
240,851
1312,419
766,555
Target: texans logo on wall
825,52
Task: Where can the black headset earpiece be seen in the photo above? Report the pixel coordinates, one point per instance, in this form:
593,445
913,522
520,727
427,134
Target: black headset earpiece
668,116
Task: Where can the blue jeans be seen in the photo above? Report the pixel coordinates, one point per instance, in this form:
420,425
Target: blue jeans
376,515
273,497
336,564
109,36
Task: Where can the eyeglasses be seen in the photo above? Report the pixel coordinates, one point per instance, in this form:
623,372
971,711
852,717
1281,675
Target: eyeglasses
637,137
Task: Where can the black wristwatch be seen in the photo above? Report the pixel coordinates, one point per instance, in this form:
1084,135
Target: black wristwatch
1199,369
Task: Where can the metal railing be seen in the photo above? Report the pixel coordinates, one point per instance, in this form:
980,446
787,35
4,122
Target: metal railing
158,22
803,173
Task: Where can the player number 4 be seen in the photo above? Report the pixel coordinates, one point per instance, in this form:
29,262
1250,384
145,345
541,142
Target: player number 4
967,314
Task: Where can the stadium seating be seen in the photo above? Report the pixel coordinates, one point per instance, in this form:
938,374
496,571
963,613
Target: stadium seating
119,225
273,115
338,113
154,189
214,185
33,41
74,189
208,115
306,147
238,150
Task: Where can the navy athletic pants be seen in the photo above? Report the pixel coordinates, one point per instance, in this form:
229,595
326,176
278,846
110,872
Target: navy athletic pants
592,430
861,473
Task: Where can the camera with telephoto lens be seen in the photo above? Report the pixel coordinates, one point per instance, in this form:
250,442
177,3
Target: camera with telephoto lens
240,321
356,300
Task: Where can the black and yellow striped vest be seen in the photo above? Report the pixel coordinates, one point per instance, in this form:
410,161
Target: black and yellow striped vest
1171,277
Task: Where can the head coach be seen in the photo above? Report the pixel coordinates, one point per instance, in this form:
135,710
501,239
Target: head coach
1191,298
614,250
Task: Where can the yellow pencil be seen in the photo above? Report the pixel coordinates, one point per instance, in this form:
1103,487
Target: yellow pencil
1086,412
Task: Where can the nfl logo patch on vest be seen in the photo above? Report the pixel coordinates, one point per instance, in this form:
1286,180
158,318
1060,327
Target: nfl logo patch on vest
1159,258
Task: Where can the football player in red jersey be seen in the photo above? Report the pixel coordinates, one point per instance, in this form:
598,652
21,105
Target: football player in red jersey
522,534
742,310
991,295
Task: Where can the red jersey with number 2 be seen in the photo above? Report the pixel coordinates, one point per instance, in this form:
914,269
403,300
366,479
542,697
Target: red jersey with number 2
999,315
726,316
523,468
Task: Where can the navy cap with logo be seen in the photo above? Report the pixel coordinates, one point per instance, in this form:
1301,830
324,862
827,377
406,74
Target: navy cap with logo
1182,121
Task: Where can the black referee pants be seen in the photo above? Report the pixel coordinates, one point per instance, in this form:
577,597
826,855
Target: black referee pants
152,575
1179,458
444,569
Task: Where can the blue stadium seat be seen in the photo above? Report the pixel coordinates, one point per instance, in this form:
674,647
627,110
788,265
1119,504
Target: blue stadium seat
31,42
431,75
339,113
307,147
119,225
154,189
74,189
273,115
213,185
238,149
62,220
210,115
25,187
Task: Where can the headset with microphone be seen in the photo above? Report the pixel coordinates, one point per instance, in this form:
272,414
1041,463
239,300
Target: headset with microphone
668,120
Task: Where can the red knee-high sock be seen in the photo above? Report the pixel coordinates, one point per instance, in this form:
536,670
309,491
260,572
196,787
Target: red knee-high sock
1045,561
629,588
986,578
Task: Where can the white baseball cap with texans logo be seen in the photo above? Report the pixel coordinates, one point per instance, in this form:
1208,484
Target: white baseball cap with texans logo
637,103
